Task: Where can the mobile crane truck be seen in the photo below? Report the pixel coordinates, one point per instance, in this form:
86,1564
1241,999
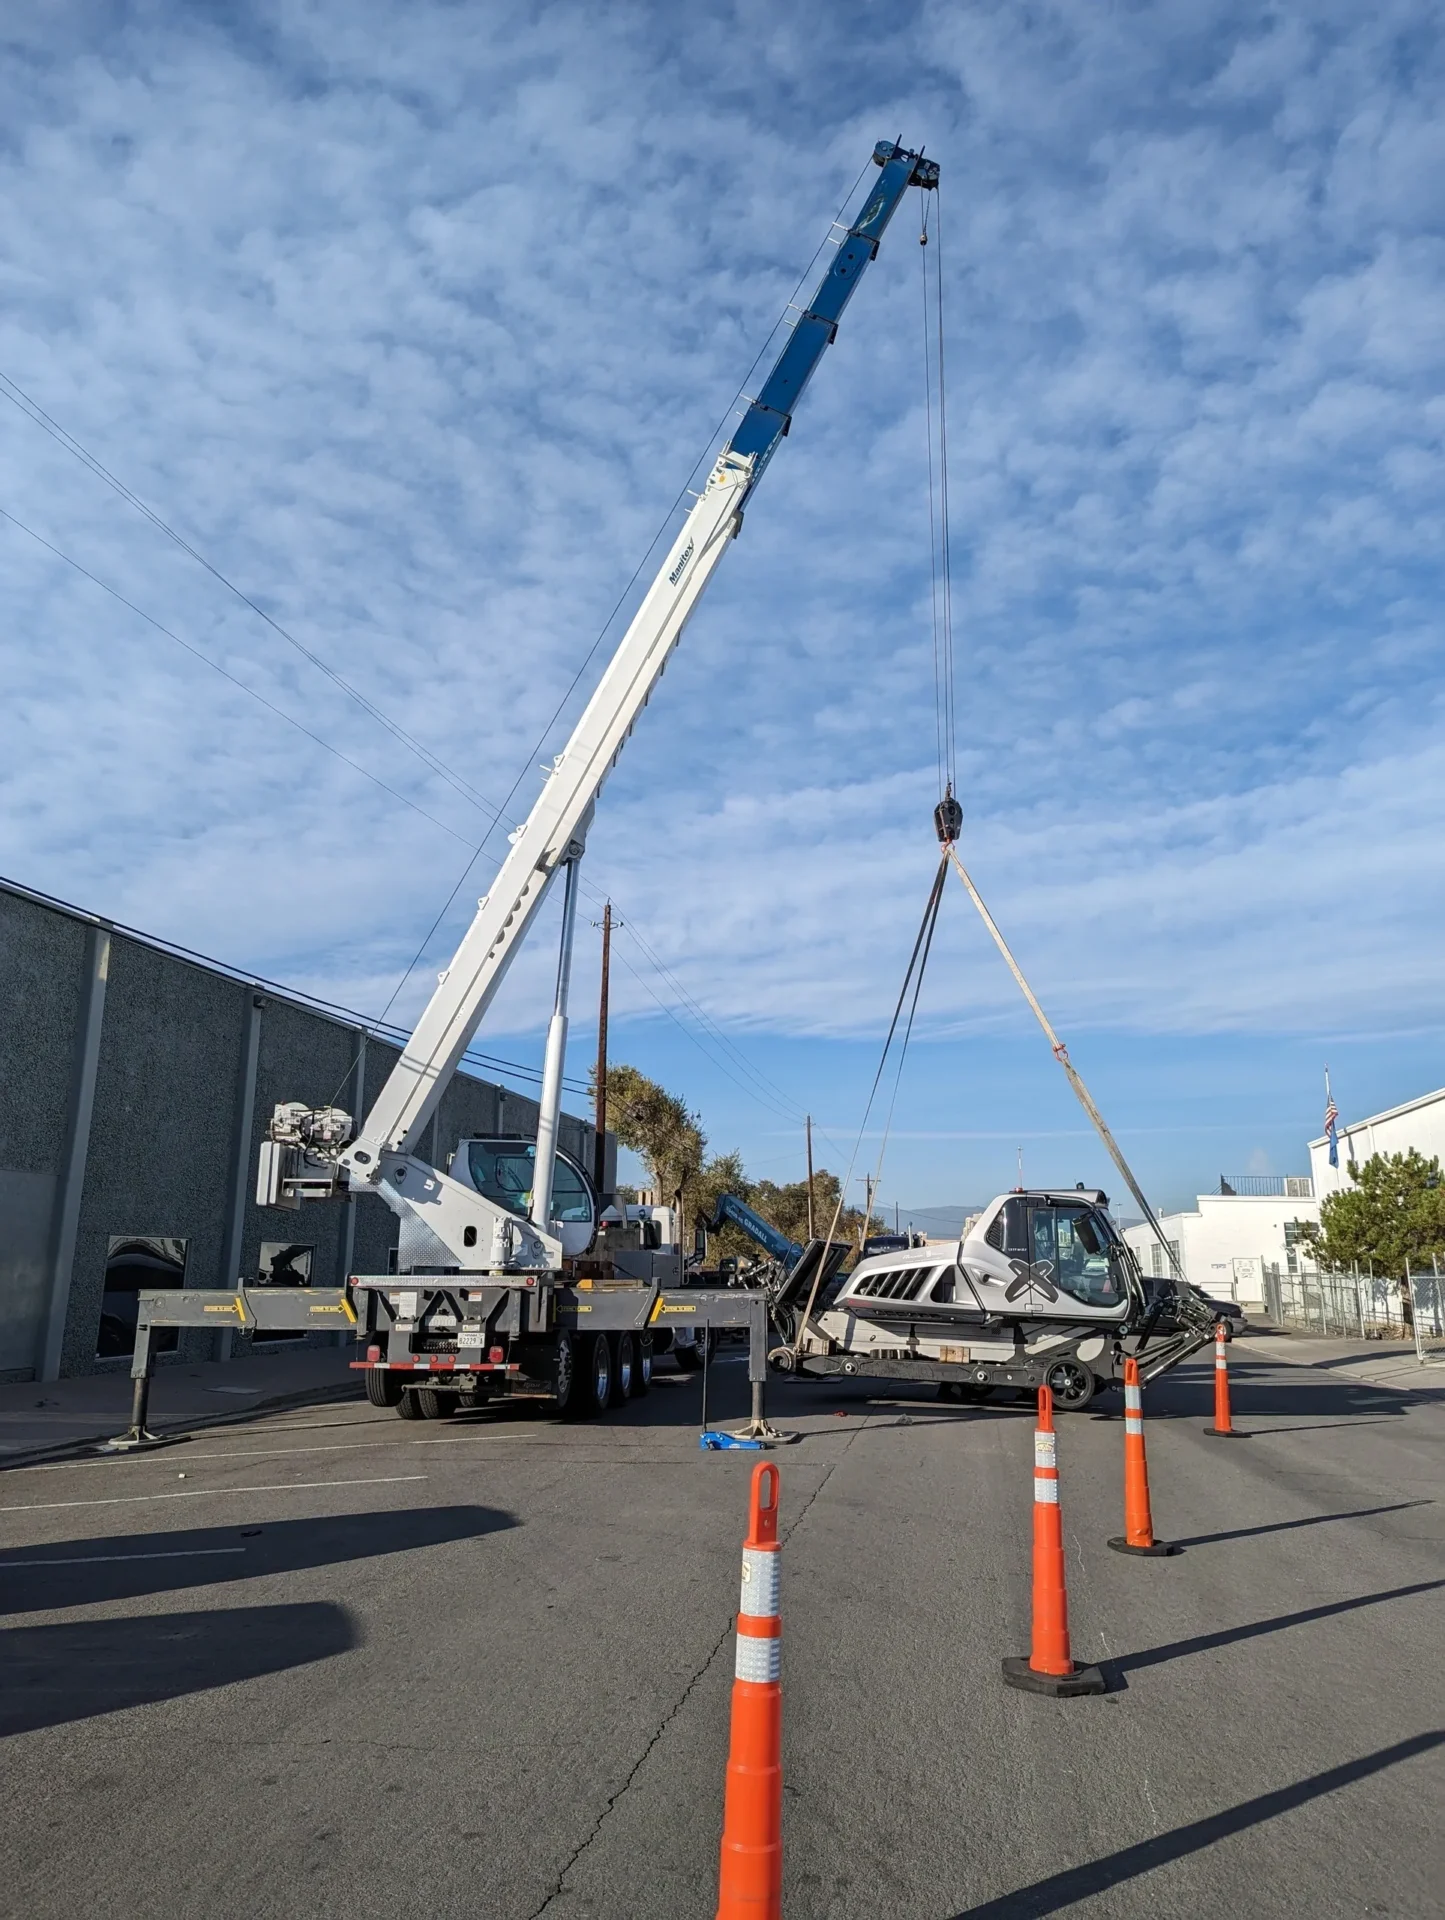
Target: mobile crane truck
504,1285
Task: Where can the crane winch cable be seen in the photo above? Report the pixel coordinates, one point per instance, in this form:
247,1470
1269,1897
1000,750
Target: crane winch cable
917,962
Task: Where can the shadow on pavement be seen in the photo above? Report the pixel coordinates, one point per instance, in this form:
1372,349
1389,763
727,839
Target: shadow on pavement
1288,1526
1081,1883
126,1566
1114,1670
1263,1387
70,1672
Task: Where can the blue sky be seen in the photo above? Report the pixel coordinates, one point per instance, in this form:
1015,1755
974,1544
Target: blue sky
415,320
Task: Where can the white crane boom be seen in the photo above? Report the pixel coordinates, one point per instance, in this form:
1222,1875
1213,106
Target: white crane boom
470,1229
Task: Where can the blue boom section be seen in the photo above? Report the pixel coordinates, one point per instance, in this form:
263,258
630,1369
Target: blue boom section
770,415
730,1208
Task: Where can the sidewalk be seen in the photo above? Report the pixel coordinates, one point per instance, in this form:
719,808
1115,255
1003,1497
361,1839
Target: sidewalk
1380,1363
39,1419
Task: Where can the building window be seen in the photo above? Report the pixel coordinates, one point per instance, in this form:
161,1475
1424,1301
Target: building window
1156,1261
137,1263
283,1264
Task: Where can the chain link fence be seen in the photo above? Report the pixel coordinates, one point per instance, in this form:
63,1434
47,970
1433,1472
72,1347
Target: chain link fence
1427,1314
1363,1306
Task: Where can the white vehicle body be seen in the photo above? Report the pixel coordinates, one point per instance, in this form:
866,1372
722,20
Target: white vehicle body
1041,1282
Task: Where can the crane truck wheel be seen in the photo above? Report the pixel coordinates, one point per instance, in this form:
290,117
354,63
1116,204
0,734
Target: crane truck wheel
1072,1385
436,1405
409,1405
593,1389
566,1390
689,1358
383,1389
642,1365
624,1366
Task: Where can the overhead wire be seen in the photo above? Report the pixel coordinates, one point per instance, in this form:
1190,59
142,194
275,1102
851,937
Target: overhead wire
40,417
225,674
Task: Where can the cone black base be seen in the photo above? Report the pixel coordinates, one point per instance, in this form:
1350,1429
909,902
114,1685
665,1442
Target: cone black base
1223,1433
1018,1673
1157,1552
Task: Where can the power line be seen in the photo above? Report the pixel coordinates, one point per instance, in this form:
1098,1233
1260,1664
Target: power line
216,667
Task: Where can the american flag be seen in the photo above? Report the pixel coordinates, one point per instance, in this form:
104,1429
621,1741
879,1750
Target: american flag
1332,1121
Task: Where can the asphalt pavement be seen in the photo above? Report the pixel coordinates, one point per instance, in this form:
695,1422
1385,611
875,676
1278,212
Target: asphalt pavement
350,1666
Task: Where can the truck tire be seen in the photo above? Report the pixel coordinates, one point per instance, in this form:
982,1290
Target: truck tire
434,1404
409,1405
593,1381
689,1358
565,1356
624,1366
1072,1385
383,1388
642,1365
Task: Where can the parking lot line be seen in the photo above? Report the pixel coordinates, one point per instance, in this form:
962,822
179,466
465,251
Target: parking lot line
197,1493
114,1559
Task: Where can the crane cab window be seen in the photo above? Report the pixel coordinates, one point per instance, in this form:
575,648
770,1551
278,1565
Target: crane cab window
1072,1245
1008,1230
503,1171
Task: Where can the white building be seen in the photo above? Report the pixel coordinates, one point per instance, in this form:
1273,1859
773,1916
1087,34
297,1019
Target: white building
1419,1124
1225,1244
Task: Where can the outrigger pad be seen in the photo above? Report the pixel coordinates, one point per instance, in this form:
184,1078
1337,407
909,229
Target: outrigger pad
1018,1673
146,1442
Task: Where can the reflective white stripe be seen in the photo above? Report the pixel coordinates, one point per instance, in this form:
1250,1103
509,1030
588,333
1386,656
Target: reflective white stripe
1132,1424
758,1659
1046,1493
762,1572
1046,1452
1220,1362
1133,1400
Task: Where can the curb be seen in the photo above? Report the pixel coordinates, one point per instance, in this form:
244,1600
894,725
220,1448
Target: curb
230,1417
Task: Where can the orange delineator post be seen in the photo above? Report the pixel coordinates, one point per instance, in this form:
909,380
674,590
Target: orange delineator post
750,1874
1223,1426
1138,1536
1050,1666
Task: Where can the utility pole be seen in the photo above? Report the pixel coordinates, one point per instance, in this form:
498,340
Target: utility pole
599,1161
868,1214
811,1229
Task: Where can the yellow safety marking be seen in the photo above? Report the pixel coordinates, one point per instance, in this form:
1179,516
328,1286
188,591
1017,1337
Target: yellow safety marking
240,1305
582,1308
226,1306
329,1310
677,1309
348,1309
655,1311
587,1284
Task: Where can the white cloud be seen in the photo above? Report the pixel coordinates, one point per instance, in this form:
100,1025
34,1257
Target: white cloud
415,322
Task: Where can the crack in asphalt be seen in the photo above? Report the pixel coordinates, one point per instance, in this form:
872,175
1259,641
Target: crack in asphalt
559,1884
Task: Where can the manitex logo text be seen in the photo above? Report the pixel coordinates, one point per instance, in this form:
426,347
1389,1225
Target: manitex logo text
683,558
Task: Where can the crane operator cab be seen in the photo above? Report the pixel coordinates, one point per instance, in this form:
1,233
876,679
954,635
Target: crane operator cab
502,1169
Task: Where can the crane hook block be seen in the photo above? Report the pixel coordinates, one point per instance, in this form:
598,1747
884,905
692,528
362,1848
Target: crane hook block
948,820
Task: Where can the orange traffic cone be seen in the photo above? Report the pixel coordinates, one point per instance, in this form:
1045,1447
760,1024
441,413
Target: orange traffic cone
1050,1667
750,1876
1138,1521
1223,1427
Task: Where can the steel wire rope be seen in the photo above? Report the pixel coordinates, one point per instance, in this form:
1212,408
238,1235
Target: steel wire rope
711,1058
23,401
939,536
616,608
32,409
63,437
922,944
225,674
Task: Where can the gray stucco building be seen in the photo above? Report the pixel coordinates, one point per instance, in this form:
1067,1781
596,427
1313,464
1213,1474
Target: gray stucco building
135,1084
